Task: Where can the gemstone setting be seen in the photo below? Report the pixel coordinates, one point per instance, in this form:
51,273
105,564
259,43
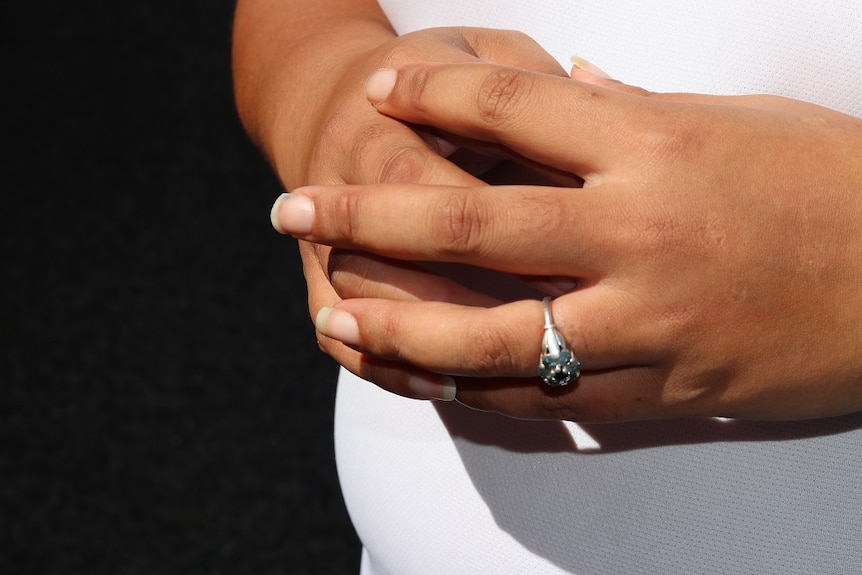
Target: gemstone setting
559,370
558,366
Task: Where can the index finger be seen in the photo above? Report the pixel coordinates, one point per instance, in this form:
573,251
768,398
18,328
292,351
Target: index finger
555,121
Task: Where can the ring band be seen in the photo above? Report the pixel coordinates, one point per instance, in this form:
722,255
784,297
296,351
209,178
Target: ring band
558,366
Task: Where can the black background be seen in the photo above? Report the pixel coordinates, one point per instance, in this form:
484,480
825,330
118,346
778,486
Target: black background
163,405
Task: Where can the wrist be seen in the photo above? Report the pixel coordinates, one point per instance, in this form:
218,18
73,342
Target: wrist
281,84
330,66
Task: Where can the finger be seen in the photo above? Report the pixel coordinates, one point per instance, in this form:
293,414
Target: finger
362,275
631,393
383,150
495,164
517,171
502,341
320,291
512,48
587,70
321,295
552,120
395,377
509,229
588,73
391,152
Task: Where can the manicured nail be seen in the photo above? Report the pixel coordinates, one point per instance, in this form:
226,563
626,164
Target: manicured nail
273,212
292,215
441,387
379,85
337,324
589,68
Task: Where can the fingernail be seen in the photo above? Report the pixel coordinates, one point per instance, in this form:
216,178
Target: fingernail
337,324
441,387
292,215
379,85
590,68
444,148
564,285
273,213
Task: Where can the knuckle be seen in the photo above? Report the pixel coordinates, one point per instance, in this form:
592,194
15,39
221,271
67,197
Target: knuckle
405,165
413,80
673,137
490,354
661,235
501,94
376,156
456,224
346,207
655,232
386,344
535,208
697,390
395,53
364,150
404,49
675,321
520,38
416,86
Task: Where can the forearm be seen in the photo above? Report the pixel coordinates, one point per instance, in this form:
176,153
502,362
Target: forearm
285,54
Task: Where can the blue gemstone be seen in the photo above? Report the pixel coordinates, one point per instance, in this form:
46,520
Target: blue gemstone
559,370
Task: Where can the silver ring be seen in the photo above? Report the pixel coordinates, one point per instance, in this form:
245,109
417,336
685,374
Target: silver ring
558,366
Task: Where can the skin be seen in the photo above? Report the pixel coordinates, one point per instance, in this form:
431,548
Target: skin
301,98
715,251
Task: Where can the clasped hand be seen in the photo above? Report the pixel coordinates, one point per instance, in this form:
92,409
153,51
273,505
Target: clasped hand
712,260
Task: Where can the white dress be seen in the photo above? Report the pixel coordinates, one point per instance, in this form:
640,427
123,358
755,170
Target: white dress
439,489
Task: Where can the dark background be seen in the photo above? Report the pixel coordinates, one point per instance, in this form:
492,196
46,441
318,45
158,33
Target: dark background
163,404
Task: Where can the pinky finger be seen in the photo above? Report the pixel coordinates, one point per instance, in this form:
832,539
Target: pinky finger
395,377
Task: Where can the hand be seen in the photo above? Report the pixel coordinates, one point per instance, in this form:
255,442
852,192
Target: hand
336,137
717,245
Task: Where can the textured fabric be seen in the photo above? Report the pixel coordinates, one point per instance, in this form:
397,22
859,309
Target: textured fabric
437,488
806,50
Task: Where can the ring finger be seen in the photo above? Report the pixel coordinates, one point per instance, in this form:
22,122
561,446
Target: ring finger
501,341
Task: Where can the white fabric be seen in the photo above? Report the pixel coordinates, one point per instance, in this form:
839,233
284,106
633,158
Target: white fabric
807,50
439,489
